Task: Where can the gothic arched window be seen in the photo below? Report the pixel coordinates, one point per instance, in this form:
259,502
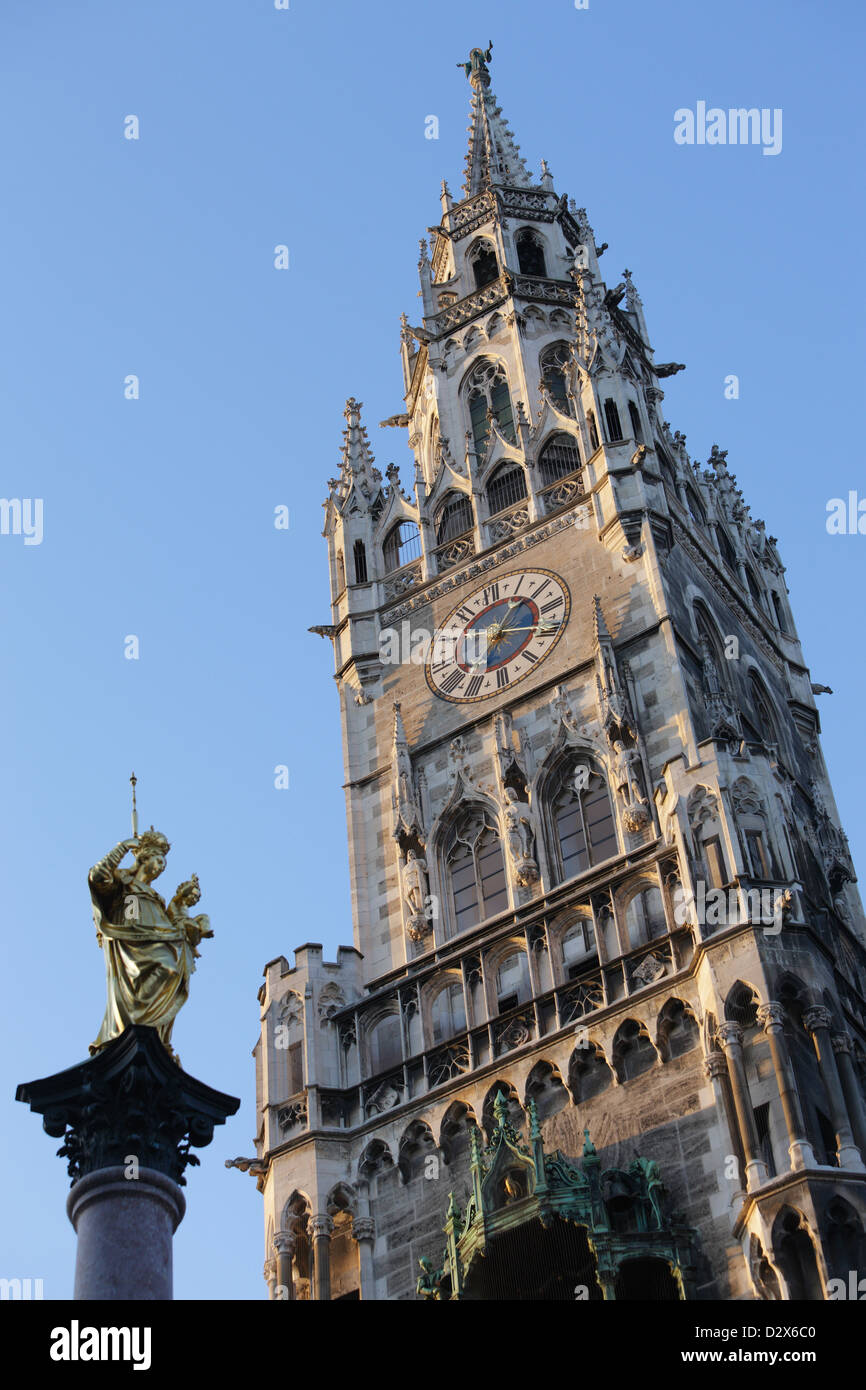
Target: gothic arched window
485,266
385,1043
777,608
554,363
359,554
578,945
448,1012
612,421
754,588
530,252
475,870
694,506
583,821
403,544
508,485
558,458
634,417
645,917
763,709
512,982
487,390
727,550
454,518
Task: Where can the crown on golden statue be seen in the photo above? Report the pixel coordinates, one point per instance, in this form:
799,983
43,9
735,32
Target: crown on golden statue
152,839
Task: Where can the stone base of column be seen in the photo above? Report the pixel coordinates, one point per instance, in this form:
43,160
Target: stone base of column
756,1173
802,1154
125,1228
849,1157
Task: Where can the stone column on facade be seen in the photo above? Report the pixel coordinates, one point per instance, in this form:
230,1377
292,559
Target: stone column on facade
321,1227
269,1274
717,1070
771,1018
124,1229
818,1021
284,1244
363,1231
730,1035
842,1046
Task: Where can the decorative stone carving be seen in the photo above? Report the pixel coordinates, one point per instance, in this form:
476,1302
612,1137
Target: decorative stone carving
291,1116
628,780
407,814
520,838
413,879
331,1000
291,1009
384,1097
650,969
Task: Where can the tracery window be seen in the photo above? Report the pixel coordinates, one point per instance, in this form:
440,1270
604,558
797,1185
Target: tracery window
583,821
448,1012
558,458
727,550
530,252
507,486
402,545
385,1043
454,518
475,870
555,362
485,266
487,390
634,417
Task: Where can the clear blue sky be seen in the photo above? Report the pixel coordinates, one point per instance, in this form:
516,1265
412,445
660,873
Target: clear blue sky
306,127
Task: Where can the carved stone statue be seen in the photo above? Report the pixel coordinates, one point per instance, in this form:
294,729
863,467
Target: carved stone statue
520,836
149,948
649,1174
635,814
413,876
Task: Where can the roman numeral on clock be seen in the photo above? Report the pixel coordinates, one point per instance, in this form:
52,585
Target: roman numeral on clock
502,678
528,656
450,683
474,686
550,607
545,583
465,614
491,595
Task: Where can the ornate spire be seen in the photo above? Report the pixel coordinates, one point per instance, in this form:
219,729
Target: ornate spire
356,461
493,156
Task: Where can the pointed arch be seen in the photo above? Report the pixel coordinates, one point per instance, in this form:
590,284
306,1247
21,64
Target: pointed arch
588,1071
485,390
402,545
677,1030
515,1112
529,245
633,1052
483,262
505,487
471,863
545,1086
555,367
416,1145
577,812
558,458
454,1129
453,517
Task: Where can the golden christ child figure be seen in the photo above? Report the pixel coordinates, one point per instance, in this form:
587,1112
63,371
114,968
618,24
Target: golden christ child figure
149,948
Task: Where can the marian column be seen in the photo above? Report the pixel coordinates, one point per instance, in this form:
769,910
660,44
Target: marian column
129,1115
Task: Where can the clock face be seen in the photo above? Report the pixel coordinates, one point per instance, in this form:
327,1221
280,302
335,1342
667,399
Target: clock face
498,635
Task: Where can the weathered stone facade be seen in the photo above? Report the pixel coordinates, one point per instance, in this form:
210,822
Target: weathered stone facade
613,884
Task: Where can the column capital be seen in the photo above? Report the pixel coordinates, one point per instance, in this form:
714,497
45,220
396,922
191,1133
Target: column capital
842,1042
817,1017
321,1226
771,1015
284,1242
363,1228
715,1065
729,1035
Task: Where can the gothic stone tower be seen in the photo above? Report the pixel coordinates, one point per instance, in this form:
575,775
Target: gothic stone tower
602,901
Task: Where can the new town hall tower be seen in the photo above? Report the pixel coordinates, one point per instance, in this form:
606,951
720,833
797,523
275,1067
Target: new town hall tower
602,1031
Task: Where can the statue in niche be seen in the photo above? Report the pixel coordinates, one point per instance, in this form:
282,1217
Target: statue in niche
635,814
649,1174
413,878
520,837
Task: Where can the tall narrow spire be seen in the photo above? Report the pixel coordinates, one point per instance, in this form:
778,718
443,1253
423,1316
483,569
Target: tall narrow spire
493,155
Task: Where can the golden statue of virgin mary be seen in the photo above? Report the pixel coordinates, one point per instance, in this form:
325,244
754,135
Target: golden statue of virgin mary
149,948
